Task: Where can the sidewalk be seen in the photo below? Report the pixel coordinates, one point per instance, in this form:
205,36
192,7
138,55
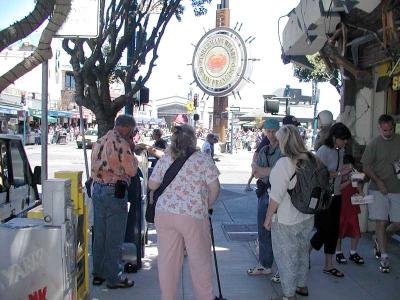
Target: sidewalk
234,222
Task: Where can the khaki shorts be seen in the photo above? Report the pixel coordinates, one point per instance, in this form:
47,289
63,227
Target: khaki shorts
385,207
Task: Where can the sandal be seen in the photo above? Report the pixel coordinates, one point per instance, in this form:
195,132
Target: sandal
356,258
98,280
122,284
341,259
302,291
334,272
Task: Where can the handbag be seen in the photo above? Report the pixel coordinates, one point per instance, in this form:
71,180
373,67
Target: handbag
170,174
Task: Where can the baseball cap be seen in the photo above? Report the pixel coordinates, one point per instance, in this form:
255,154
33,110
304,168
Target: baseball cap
325,117
290,120
271,124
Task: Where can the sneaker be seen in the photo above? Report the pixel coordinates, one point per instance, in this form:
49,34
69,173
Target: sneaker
340,258
384,265
356,259
259,270
377,252
276,278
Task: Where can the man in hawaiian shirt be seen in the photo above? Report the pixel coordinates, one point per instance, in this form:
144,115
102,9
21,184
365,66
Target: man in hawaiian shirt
113,164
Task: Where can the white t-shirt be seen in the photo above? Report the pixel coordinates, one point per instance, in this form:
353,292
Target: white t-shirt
280,182
206,148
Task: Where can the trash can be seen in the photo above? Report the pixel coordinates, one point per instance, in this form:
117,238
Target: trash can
136,227
222,147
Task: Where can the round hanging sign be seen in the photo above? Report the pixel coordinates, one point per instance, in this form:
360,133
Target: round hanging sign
219,61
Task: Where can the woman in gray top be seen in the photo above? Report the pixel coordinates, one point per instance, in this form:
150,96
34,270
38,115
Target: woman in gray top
327,222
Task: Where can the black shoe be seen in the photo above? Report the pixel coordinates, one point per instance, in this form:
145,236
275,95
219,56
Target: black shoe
356,258
98,280
341,259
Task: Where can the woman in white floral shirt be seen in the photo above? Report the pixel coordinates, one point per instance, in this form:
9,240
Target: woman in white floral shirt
182,215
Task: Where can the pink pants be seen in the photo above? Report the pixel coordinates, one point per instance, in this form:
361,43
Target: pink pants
174,233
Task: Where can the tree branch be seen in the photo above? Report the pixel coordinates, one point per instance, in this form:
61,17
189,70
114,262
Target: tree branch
27,25
43,51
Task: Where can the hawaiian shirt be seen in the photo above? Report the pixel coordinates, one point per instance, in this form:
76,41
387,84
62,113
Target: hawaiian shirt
112,159
187,194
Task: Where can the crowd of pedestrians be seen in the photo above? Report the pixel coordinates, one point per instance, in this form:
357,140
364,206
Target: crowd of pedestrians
185,183
285,233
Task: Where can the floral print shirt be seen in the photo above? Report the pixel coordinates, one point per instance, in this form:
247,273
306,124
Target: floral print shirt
112,159
187,194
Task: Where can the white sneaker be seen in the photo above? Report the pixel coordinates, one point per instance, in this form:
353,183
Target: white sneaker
259,270
276,278
384,265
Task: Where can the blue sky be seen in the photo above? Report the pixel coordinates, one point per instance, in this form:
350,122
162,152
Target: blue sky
172,75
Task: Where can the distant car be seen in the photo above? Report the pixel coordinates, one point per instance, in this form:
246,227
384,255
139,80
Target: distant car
90,139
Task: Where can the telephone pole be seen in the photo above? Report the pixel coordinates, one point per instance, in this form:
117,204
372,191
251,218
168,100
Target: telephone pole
220,121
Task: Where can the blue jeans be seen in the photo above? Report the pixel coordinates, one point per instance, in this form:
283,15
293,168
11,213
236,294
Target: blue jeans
110,217
265,254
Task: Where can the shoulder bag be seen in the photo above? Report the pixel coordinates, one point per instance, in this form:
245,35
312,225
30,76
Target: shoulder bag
170,174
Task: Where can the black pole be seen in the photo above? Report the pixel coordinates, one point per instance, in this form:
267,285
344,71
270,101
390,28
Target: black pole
129,56
215,257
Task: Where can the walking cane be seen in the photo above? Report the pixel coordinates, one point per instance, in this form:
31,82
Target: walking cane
210,211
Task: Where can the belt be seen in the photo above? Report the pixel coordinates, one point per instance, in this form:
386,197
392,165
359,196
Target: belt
105,184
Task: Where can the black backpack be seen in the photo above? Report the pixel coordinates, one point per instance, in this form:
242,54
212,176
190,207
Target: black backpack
312,192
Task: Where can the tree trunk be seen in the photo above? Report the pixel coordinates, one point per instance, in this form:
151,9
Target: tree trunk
104,124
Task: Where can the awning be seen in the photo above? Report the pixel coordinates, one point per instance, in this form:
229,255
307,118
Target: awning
49,119
249,124
59,113
5,109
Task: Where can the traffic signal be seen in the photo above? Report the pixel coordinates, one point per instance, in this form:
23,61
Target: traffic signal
196,100
144,95
271,106
196,117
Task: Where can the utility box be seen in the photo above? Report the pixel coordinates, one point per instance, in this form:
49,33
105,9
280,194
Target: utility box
55,199
76,187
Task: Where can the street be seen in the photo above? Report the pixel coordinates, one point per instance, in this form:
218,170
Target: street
60,158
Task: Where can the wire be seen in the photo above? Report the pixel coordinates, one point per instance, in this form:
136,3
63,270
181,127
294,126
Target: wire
279,32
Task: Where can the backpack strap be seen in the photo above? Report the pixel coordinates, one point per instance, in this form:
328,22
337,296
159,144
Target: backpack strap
291,178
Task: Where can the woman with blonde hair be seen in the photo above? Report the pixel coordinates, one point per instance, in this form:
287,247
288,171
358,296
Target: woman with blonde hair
290,229
181,216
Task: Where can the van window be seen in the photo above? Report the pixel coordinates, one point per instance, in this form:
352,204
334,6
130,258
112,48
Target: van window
19,164
4,184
